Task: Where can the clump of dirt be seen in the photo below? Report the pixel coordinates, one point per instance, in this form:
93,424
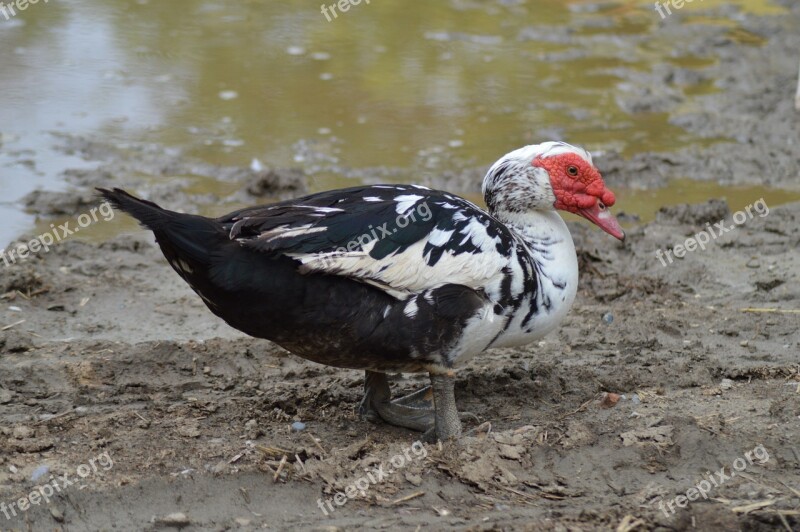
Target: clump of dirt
21,278
50,203
709,212
274,181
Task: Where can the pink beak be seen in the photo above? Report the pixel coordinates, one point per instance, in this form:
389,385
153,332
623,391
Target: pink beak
603,219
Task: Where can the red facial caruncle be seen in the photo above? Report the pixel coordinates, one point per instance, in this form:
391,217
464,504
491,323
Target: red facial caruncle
579,189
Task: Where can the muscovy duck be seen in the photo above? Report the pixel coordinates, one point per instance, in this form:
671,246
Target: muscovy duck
396,278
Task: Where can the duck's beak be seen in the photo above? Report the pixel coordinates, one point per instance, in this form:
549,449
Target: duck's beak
603,219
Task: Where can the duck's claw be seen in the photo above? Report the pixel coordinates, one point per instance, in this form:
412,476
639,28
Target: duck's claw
377,404
422,398
431,410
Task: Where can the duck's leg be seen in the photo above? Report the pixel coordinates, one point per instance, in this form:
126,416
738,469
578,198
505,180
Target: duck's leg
377,403
448,422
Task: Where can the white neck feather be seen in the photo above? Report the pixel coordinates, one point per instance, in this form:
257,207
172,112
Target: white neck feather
550,243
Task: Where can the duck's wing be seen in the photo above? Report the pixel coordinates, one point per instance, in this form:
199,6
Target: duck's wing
402,238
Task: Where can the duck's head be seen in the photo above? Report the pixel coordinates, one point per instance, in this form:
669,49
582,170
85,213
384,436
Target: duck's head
549,176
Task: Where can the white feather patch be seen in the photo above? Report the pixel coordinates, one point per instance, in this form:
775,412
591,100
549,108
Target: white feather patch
405,202
439,237
285,231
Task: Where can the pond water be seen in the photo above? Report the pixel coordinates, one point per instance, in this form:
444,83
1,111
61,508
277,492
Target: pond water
429,86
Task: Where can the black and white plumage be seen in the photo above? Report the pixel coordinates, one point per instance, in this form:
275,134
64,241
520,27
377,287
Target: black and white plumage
390,278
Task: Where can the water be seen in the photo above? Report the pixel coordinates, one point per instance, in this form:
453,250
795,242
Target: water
430,87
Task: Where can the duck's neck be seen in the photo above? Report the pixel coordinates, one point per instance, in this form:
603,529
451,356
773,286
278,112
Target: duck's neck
551,250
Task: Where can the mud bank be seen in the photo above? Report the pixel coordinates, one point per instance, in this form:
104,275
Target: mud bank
116,355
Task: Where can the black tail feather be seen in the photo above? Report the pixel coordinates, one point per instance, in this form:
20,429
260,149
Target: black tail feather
183,236
150,215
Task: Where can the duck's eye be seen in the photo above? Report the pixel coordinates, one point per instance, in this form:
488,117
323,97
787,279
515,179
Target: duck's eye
572,170
601,205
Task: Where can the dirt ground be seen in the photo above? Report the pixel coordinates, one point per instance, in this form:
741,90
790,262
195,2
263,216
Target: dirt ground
113,373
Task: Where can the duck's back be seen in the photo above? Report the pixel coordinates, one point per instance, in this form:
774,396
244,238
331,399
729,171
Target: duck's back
387,277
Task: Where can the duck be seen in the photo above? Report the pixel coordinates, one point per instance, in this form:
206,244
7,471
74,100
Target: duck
396,278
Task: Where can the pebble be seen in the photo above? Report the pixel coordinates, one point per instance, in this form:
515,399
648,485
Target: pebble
416,480
176,519
726,384
228,95
39,472
608,317
256,165
21,432
57,514
5,396
635,399
744,343
609,399
297,426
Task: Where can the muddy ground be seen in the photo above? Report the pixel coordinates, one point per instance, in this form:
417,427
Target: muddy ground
105,353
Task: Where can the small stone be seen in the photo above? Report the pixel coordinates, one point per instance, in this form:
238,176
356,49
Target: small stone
297,426
39,472
744,343
252,430
5,396
241,521
22,432
510,452
256,165
188,429
228,95
726,384
416,480
609,399
176,519
57,514
608,317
